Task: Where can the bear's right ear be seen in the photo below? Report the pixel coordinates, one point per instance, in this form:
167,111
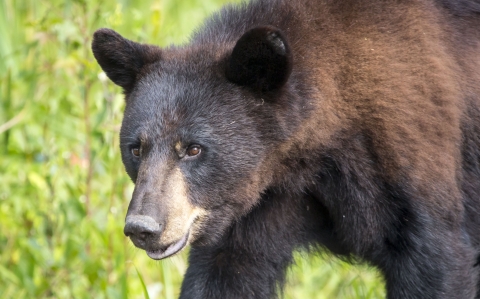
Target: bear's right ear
122,59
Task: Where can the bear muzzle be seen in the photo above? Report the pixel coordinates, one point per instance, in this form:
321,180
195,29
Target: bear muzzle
161,219
145,233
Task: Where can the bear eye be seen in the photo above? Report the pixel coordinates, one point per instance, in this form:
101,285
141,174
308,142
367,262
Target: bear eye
193,150
136,152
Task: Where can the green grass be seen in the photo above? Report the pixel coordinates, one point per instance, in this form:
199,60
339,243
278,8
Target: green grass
63,190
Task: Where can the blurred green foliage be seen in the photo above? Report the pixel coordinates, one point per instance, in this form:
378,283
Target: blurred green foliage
63,190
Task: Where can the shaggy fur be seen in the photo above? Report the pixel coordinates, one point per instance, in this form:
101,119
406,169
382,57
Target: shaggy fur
349,124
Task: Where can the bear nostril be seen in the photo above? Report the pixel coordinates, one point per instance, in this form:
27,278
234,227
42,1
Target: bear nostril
141,227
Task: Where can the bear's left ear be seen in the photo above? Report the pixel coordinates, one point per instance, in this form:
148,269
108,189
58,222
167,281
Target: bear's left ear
261,59
120,58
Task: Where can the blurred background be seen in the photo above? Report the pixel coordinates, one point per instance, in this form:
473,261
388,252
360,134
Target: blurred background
63,189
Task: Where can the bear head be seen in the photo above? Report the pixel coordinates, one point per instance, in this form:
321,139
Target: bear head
202,131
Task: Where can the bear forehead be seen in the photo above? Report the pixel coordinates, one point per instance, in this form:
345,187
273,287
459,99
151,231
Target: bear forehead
172,103
190,74
185,94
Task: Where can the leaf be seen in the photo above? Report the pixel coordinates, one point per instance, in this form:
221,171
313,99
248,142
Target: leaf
37,181
144,287
9,275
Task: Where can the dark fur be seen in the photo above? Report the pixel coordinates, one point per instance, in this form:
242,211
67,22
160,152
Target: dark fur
371,148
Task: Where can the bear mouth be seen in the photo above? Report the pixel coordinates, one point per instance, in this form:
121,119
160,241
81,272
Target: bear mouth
170,250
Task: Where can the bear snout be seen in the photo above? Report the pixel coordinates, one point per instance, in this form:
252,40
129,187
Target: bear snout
143,230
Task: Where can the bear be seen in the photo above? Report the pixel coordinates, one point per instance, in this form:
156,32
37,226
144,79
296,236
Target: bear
351,126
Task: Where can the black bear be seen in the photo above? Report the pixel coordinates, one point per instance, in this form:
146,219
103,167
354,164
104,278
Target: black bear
352,125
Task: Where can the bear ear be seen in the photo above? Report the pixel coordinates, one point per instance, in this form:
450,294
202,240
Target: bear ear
261,59
120,58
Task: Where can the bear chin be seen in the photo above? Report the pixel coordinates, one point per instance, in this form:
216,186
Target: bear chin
172,249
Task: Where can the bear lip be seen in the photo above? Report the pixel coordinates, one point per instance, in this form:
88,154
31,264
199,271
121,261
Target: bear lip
171,249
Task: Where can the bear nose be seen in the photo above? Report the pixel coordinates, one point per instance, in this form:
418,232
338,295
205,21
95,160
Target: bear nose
141,228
